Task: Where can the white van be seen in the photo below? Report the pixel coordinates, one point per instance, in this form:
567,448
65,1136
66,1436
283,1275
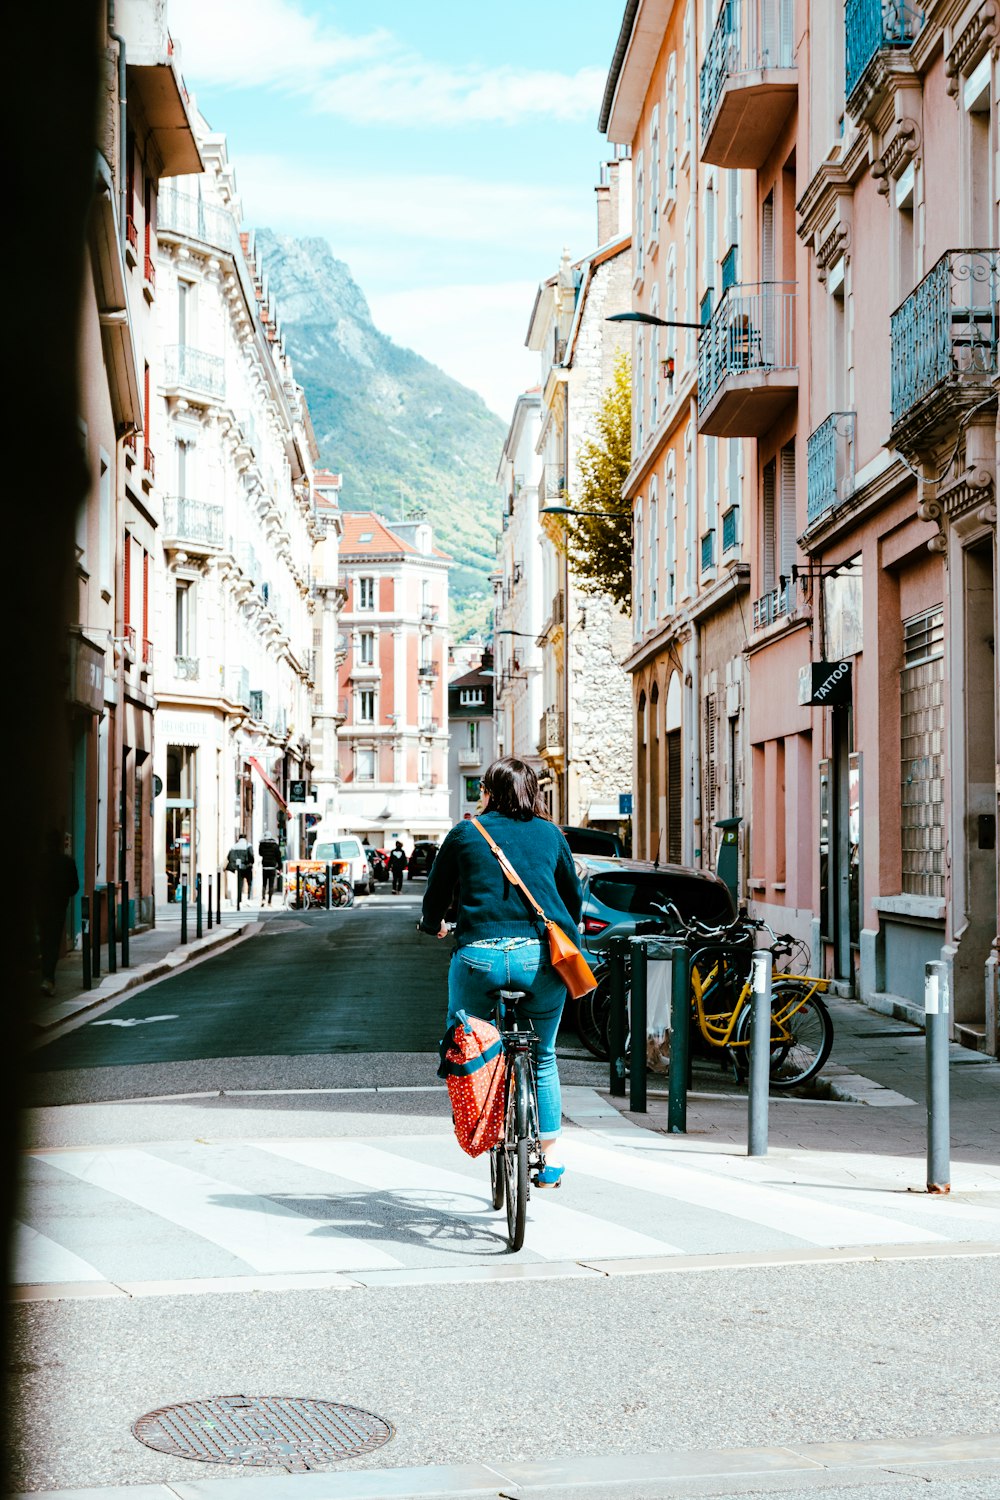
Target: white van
346,846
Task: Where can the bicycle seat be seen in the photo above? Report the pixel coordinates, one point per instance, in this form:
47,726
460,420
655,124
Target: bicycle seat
508,996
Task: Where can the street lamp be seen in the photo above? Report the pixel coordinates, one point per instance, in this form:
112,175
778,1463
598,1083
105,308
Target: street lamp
525,634
568,510
645,317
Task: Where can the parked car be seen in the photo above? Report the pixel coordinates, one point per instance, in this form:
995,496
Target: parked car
421,858
621,894
378,859
350,848
592,841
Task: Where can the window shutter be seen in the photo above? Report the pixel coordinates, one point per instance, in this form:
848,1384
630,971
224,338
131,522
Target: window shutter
768,541
127,587
145,600
147,194
674,796
711,778
786,555
767,240
145,404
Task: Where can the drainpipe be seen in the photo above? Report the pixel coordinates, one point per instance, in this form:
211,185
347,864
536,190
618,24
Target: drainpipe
122,128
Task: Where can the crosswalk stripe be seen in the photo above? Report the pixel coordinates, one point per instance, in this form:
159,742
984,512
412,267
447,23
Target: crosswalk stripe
807,1219
37,1259
266,1237
553,1232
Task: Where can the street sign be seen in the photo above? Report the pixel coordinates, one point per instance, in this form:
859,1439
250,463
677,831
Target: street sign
296,791
624,804
832,684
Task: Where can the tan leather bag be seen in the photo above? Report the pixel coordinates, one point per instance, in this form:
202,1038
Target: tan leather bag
565,957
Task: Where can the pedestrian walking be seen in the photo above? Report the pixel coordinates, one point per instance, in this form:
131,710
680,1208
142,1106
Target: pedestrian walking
240,861
60,881
498,938
397,867
270,863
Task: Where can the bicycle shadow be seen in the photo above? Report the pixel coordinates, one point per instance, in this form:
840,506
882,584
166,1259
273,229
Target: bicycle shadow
425,1220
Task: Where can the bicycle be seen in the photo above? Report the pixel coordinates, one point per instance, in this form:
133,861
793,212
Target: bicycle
513,1160
313,891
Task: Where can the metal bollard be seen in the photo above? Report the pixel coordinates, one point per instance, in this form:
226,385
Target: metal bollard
936,1009
184,912
112,932
95,933
218,898
125,923
329,885
760,1053
640,1007
680,1039
209,908
239,889
85,939
197,906
617,1021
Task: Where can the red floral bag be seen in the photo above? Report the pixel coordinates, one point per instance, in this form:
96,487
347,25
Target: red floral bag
472,1061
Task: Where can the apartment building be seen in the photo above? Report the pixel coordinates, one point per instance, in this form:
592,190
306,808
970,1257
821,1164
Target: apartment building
329,648
471,735
847,358
689,474
518,604
584,734
145,132
234,610
393,735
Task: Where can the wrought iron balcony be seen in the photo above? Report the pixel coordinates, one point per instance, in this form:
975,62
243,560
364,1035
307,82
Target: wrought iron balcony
237,685
428,669
944,345
773,605
187,668
185,214
873,27
194,372
746,360
553,488
551,732
193,525
830,464
246,559
260,705
748,82
708,550
730,528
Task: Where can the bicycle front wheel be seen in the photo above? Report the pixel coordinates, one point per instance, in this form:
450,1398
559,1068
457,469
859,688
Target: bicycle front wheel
801,1035
515,1154
497,1176
592,1012
341,893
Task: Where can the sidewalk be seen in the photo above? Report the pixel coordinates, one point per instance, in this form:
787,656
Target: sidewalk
153,954
874,1117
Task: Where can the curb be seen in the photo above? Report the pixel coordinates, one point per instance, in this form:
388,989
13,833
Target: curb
160,968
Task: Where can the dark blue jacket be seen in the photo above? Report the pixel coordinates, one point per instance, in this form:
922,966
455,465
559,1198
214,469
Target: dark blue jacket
488,906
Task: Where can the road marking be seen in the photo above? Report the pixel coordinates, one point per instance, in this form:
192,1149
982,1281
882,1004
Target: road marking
553,1232
37,1259
134,1021
266,1236
805,1218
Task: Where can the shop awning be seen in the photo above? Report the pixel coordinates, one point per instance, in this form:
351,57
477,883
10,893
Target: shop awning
268,782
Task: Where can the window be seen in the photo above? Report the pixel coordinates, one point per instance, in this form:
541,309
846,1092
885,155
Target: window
472,788
424,709
640,217
690,86
366,706
711,767
364,763
106,527
654,363
185,468
654,173
638,580
670,529
904,193
977,182
472,734
470,697
690,512
838,329
425,767
778,516
185,303
671,122
366,648
921,708
640,388
654,551
366,593
690,281
184,618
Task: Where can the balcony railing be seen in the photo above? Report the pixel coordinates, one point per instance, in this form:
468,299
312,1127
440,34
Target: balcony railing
184,213
428,669
148,462
872,26
132,234
192,522
469,759
558,608
553,486
149,271
260,705
730,528
237,681
830,464
194,370
944,336
772,606
751,39
246,559
753,328
248,427
187,668
551,731
147,652
708,550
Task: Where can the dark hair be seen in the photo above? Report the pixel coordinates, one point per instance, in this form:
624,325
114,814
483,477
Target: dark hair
513,788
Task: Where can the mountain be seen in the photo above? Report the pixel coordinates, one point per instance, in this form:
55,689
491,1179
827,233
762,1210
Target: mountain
402,432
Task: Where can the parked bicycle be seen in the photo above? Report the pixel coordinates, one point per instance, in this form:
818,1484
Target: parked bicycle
311,890
519,1153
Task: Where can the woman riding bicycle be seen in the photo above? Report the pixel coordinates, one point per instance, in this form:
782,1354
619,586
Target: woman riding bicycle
499,941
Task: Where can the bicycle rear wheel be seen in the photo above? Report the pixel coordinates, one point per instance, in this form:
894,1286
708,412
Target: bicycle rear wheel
592,1012
801,1035
496,1176
341,893
515,1154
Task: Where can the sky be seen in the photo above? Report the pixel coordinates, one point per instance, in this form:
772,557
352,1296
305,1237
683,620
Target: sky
448,151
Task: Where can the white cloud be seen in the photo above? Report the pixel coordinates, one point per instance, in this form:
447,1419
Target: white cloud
475,333
369,79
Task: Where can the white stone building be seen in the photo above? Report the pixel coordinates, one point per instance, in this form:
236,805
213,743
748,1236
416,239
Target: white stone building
518,588
233,630
585,728
471,734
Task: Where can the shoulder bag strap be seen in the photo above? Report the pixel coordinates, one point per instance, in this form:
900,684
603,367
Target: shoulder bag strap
508,868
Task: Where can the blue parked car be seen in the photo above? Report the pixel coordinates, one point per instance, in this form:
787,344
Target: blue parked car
621,894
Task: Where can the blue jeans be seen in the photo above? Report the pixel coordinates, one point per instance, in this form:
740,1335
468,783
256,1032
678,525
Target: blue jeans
515,964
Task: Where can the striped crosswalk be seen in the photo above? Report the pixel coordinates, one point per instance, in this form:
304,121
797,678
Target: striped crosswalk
200,1214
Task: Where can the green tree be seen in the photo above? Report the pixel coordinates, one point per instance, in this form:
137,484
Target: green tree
600,547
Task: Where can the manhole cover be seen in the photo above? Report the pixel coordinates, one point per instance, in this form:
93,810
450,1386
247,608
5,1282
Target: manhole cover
287,1431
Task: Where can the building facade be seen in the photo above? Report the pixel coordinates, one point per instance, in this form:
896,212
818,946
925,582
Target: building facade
518,611
584,735
393,738
471,735
234,611
145,133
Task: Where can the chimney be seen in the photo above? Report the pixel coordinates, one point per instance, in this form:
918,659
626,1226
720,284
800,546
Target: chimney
614,207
